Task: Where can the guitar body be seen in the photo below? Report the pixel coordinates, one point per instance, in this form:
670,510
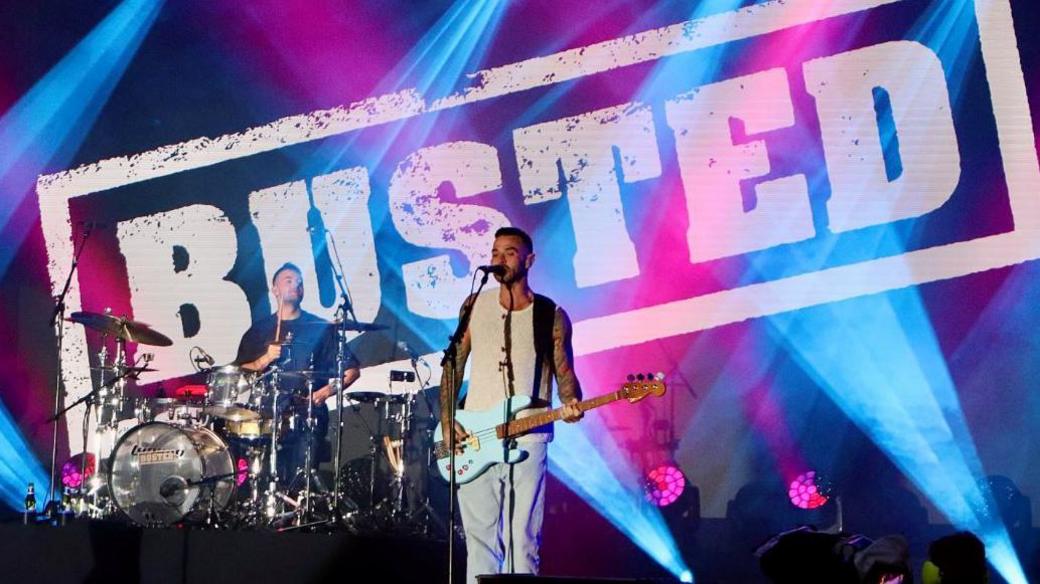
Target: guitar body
490,431
483,448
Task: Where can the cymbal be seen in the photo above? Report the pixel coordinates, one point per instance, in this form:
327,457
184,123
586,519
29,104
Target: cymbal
347,325
130,370
121,328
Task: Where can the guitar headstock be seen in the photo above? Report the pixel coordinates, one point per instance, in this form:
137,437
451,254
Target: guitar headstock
639,386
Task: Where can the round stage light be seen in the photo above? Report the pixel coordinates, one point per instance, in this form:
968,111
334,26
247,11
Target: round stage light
73,471
808,491
664,485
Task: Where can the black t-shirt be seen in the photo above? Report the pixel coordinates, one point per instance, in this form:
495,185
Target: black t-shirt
310,344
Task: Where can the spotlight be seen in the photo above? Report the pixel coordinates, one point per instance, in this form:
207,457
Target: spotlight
809,491
73,471
686,576
664,485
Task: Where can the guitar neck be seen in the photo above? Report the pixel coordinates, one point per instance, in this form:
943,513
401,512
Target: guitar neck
516,427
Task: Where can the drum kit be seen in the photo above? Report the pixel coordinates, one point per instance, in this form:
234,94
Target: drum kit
209,454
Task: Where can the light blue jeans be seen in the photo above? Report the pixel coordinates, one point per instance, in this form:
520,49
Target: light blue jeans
502,512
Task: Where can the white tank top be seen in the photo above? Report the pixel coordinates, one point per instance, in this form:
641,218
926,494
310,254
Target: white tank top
488,383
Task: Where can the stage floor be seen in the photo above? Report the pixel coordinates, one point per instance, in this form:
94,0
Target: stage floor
113,552
98,551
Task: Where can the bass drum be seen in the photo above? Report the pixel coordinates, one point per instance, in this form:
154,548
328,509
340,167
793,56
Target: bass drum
161,474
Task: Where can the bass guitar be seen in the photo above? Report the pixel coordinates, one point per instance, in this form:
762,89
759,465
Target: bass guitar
490,432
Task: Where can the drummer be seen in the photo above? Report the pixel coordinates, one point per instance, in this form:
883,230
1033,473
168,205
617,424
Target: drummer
297,342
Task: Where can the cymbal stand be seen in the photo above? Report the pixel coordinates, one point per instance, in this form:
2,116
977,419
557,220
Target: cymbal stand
345,311
423,506
58,321
94,398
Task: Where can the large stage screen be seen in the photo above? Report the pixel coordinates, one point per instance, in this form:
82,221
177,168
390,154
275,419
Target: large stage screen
819,220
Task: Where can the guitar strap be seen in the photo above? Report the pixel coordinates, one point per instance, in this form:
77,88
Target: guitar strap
544,317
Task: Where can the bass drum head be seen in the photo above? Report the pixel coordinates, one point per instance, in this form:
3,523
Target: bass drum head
160,474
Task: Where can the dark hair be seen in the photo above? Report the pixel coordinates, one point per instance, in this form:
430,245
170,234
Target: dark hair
516,232
286,266
961,558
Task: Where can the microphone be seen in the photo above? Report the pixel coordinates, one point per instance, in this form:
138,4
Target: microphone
493,269
204,357
171,486
412,353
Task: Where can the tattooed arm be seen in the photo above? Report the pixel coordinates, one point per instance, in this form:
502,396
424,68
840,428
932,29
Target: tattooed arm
448,393
568,387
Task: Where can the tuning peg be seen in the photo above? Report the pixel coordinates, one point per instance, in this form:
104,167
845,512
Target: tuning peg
650,377
659,376
640,377
631,377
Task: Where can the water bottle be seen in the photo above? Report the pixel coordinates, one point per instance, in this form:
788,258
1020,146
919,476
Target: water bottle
30,503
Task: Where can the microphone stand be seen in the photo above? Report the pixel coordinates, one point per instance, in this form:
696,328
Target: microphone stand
345,310
129,374
58,319
450,354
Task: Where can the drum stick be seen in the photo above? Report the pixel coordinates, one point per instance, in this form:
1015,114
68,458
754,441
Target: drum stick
278,326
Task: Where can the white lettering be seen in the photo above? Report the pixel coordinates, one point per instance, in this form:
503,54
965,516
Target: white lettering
861,192
423,218
583,147
176,262
712,167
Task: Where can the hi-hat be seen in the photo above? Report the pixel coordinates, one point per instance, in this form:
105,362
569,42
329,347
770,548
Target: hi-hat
121,328
303,376
353,325
347,325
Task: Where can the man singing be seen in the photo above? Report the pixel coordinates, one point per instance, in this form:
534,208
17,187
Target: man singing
519,342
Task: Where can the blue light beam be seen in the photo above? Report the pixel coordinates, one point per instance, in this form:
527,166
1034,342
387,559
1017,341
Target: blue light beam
582,466
47,125
18,466
877,358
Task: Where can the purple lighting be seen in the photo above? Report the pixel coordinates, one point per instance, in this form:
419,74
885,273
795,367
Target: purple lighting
71,475
806,492
664,485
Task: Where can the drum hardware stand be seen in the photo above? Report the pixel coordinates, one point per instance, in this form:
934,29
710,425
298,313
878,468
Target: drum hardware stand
58,320
308,470
94,398
396,449
304,509
271,502
423,507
